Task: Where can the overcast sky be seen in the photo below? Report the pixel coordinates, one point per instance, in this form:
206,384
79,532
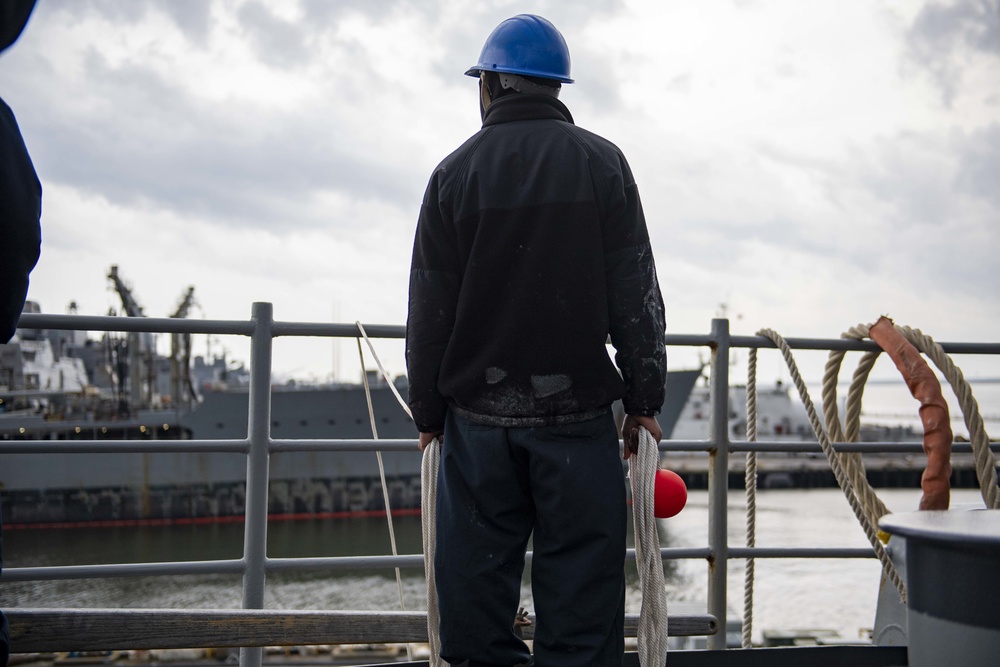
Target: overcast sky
812,165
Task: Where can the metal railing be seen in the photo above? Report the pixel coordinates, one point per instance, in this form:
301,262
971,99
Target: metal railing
258,445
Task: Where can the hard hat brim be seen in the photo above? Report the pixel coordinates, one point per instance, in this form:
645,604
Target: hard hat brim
475,71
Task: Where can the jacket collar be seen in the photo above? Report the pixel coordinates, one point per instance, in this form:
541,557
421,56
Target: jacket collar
525,106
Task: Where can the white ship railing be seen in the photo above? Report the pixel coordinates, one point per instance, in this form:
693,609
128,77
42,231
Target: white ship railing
262,329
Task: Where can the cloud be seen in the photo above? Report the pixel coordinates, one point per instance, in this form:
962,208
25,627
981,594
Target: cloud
979,169
276,41
193,17
142,133
278,151
944,36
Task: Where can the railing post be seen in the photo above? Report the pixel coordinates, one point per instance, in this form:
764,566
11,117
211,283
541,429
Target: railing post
259,435
718,482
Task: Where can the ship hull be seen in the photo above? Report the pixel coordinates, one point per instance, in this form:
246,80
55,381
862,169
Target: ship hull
87,489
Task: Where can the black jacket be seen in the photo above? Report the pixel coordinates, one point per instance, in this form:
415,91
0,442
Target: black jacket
20,193
20,211
531,249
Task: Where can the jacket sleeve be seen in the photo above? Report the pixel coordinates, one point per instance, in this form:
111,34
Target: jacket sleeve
635,305
20,230
434,287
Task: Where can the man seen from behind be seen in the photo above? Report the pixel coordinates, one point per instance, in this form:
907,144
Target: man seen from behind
531,249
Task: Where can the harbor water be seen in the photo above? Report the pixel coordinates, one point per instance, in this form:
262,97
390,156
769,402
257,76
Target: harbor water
797,594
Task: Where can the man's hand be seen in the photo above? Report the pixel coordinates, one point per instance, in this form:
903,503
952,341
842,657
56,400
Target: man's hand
630,433
427,438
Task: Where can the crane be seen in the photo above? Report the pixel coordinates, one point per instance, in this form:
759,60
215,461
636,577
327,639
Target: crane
137,345
132,307
182,389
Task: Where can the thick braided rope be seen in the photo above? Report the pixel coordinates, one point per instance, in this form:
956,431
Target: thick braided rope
429,465
862,488
750,482
985,462
873,507
652,631
871,531
855,393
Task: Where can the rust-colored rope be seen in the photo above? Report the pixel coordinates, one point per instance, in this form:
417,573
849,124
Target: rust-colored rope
924,387
985,461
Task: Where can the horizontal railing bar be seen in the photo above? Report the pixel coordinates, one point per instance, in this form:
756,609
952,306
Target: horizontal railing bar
801,552
863,447
823,344
334,329
355,445
42,630
337,330
344,563
406,445
135,324
677,553
417,560
122,446
332,563
686,445
107,571
827,344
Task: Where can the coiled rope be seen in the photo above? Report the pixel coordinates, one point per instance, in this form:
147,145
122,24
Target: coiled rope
985,462
652,632
848,467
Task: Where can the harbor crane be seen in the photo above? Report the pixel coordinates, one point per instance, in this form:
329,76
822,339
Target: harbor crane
138,347
181,386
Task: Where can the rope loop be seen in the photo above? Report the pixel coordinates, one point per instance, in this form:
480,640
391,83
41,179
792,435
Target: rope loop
845,469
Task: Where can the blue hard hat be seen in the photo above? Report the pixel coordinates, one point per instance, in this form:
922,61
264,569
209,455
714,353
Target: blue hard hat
527,45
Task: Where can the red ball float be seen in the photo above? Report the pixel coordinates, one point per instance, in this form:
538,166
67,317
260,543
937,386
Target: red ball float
670,494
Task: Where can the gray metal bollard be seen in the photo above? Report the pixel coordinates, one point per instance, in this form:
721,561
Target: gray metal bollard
953,585
890,612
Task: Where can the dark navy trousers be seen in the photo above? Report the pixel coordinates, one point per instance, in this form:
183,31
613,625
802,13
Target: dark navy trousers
562,486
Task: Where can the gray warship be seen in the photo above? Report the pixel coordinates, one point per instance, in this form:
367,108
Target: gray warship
63,385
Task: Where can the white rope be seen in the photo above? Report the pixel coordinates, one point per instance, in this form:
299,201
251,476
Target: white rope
429,465
378,362
652,632
381,472
750,482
